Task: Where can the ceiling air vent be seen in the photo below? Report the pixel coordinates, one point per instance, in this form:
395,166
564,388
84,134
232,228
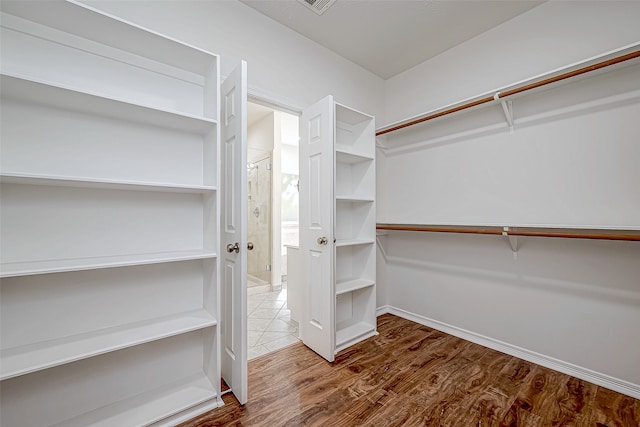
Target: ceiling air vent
318,6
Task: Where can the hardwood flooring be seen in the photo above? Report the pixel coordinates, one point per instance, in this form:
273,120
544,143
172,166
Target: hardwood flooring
411,375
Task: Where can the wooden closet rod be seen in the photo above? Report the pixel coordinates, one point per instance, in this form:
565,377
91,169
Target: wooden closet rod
510,92
626,235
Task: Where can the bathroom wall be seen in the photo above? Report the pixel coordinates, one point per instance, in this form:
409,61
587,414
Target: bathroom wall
289,190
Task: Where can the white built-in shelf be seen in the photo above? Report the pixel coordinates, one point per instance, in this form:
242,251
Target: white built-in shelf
351,198
353,242
350,116
58,96
149,407
86,22
347,155
26,268
35,357
352,332
352,285
80,182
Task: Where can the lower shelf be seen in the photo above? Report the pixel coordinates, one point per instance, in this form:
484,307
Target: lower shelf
351,333
31,358
153,406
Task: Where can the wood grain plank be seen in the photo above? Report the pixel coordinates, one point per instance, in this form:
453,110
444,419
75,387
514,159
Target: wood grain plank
410,375
611,409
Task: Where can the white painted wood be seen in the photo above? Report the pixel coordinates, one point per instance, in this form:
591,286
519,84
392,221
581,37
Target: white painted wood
53,223
110,147
294,283
349,156
111,64
135,386
353,220
26,268
163,403
109,221
352,285
355,189
30,358
354,242
234,231
72,181
355,262
317,328
90,24
353,334
342,285
52,95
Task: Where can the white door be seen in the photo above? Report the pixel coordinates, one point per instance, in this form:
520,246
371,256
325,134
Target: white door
233,239
316,227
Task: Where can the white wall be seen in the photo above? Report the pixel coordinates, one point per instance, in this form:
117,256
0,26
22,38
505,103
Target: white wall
573,305
283,66
260,137
568,304
290,161
552,35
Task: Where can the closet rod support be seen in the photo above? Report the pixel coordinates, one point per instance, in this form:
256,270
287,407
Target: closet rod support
513,241
507,108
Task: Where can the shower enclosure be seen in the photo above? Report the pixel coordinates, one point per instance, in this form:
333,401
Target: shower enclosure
259,221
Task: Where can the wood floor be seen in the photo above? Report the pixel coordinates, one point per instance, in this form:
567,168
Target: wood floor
411,375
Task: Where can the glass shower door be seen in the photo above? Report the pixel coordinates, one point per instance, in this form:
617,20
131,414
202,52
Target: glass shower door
259,222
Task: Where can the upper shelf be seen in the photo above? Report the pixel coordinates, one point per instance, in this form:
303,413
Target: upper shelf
88,23
350,116
38,92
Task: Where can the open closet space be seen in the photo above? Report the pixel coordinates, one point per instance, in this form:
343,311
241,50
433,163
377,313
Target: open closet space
291,212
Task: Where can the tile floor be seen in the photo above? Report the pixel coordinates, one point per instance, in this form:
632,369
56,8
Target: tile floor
269,325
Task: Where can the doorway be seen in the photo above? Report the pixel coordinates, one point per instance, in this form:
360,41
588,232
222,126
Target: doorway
272,226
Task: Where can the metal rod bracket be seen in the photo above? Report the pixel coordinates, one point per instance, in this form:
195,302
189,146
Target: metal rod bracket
507,108
513,241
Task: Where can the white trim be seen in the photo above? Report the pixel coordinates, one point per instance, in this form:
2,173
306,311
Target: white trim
385,309
580,372
271,100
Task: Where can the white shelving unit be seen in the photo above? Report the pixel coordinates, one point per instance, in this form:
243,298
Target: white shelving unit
354,227
109,220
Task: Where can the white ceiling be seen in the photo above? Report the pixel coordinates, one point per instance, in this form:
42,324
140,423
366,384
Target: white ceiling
256,112
390,36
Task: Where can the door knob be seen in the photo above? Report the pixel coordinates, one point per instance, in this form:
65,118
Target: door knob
322,240
233,248
250,246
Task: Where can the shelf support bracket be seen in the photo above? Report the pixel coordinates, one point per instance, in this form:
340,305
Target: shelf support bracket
507,108
513,241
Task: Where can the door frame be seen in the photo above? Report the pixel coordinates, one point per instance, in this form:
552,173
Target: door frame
267,100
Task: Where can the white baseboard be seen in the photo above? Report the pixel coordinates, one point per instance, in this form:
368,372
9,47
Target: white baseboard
585,374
